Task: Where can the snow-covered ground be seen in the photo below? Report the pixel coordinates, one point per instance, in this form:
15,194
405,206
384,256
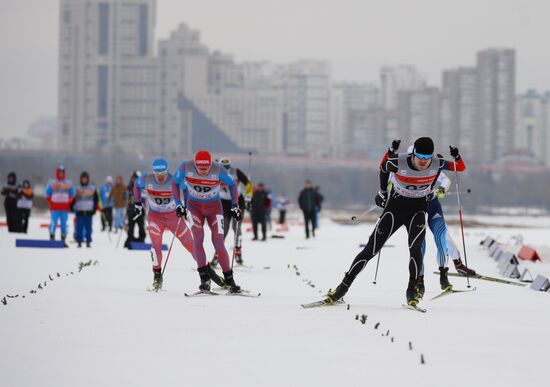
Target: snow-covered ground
99,327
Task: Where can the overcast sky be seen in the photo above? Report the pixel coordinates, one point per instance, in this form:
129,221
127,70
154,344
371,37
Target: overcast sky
356,36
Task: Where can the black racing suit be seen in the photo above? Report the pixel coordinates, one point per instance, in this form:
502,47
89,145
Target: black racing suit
399,211
228,217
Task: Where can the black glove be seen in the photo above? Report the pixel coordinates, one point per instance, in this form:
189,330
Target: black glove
395,145
181,211
248,203
138,209
237,212
381,199
454,152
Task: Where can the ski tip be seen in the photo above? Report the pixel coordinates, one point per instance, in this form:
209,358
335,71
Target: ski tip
414,307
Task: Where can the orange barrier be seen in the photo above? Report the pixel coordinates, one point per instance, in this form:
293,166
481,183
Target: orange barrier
528,254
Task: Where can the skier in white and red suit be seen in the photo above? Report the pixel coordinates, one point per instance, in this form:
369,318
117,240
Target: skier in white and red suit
200,181
162,216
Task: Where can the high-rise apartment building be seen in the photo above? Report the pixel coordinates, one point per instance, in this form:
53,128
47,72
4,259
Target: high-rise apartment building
497,96
107,75
361,117
459,123
419,114
532,132
307,106
394,79
207,99
183,63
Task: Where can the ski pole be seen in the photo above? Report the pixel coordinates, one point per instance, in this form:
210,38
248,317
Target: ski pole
237,232
362,214
461,223
249,164
377,262
462,193
119,235
171,244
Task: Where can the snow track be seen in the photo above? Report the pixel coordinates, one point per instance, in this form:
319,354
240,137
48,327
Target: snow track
101,328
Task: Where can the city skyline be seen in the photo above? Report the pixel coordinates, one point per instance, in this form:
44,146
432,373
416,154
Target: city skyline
18,117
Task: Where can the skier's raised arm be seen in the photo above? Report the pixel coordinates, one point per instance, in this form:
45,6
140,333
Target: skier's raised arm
387,165
457,165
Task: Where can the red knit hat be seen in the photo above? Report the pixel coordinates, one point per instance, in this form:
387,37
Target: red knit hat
203,159
60,172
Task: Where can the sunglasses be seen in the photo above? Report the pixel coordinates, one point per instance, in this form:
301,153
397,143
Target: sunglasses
164,173
422,156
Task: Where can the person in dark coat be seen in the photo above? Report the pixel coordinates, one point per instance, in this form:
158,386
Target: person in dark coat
85,206
258,210
11,191
130,211
308,202
24,205
320,199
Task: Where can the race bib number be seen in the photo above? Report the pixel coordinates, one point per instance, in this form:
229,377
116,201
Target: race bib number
24,203
60,197
161,204
203,192
412,190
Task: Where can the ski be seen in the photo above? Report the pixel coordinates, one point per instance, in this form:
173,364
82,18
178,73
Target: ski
219,289
243,266
155,290
451,291
485,278
202,293
244,293
414,307
324,302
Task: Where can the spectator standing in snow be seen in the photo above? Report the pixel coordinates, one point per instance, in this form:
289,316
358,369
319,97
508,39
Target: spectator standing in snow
308,202
258,210
24,206
118,195
282,204
11,190
106,204
85,206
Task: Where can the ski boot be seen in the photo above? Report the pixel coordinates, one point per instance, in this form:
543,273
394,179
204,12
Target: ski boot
412,293
63,237
443,279
463,269
214,276
205,279
214,262
340,291
230,282
157,279
420,288
52,237
238,256
88,244
79,244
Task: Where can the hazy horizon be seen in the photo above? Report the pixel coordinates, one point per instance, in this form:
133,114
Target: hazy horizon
355,37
